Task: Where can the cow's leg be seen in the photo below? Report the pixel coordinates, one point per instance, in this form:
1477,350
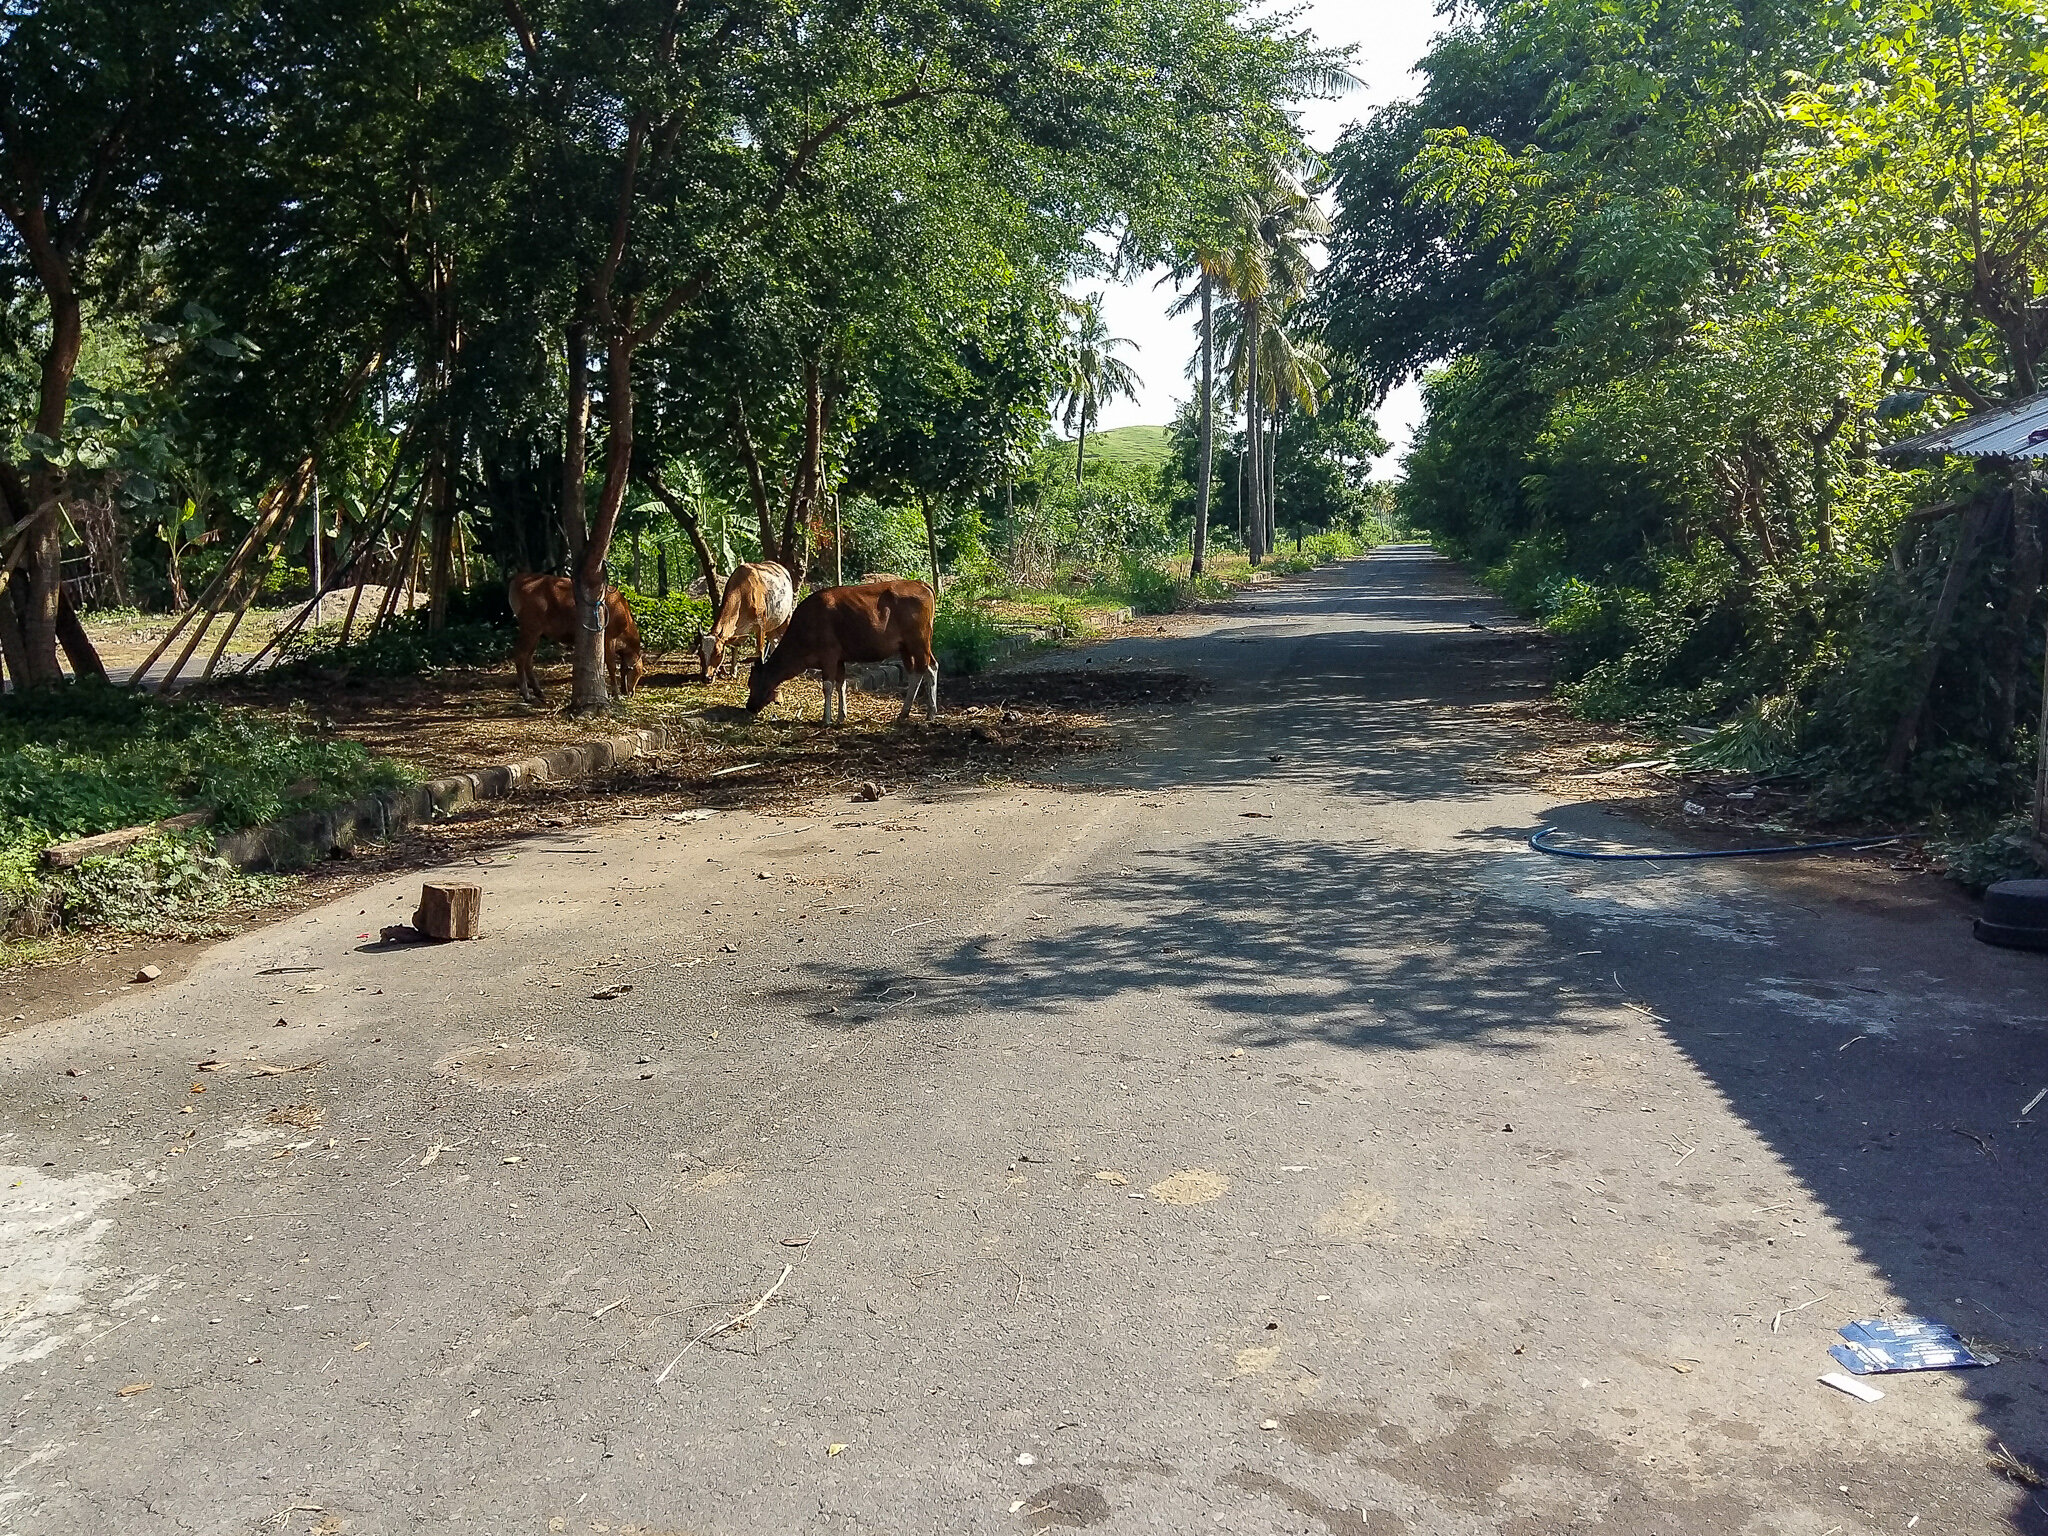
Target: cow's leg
913,685
825,687
932,704
522,664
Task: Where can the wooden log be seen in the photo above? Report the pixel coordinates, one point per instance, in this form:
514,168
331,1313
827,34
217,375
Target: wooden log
70,855
449,909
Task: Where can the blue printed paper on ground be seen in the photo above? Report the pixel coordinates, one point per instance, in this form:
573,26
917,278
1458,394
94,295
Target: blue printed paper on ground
1877,1346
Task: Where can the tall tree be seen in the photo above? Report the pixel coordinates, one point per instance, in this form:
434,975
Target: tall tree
95,96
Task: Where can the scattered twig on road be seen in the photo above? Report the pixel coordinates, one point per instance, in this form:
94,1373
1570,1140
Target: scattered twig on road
1782,1311
1688,1152
2032,1104
1849,1042
600,1312
908,926
637,1212
731,1322
736,768
2019,1471
1982,1145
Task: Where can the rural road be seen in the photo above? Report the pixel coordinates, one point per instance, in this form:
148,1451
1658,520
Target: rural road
1249,1134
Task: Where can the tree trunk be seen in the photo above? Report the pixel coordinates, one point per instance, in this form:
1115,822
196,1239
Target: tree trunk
1273,483
791,549
444,537
1905,736
12,650
44,567
78,647
686,516
1823,484
1199,542
1080,448
931,540
2023,588
1254,489
757,486
2041,763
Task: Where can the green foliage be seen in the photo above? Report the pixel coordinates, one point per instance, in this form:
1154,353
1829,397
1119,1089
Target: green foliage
965,634
165,888
1147,587
1672,336
670,624
81,760
2007,851
1139,448
403,648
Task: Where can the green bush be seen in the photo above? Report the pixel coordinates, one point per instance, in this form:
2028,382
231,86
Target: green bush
1148,588
85,759
168,887
668,624
2008,851
403,648
965,634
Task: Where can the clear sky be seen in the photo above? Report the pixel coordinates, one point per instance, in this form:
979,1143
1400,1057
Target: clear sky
1389,36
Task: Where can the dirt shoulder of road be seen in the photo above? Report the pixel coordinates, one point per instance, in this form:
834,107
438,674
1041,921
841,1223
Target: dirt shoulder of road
996,729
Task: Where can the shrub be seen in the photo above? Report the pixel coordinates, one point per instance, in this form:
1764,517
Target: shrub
668,624
965,634
2009,851
86,759
167,888
1149,588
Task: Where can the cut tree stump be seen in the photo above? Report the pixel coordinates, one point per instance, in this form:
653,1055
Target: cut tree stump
449,910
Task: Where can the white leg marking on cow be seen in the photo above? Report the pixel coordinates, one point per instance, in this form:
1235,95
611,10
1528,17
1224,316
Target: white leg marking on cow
934,675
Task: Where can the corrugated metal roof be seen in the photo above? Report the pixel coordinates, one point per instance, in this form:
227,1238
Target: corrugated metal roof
2017,431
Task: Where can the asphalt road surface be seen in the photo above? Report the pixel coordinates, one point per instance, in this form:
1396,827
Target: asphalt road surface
1249,1135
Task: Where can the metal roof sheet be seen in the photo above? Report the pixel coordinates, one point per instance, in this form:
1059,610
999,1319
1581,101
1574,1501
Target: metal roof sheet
2016,431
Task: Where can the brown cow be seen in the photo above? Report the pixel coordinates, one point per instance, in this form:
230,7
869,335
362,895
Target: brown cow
835,626
545,607
758,601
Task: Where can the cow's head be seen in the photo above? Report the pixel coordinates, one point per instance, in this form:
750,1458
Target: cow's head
631,663
706,647
761,689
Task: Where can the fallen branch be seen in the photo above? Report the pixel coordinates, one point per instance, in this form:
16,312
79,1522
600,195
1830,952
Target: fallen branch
731,1322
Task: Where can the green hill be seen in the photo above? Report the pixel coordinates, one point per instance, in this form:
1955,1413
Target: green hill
1138,447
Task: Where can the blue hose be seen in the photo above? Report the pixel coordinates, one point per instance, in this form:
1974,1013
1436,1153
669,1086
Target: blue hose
1536,842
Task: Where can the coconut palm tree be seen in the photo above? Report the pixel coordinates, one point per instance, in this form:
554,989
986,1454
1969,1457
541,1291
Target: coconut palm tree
1294,372
1276,224
1095,375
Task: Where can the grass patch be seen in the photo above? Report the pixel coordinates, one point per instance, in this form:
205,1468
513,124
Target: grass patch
84,759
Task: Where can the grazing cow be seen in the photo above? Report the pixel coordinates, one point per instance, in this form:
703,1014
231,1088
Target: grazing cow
835,626
758,601
545,607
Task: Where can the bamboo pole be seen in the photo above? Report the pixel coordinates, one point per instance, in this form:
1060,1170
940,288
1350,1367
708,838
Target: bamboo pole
355,562
235,623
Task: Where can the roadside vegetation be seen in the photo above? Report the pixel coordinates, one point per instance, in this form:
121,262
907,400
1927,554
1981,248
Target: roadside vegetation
317,324
97,759
1677,275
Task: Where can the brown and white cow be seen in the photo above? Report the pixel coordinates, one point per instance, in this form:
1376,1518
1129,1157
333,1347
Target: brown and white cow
759,599
840,626
545,607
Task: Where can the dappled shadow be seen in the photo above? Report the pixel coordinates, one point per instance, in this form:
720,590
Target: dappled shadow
1880,1054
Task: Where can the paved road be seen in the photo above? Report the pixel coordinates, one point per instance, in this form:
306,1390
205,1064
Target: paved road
1250,1135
